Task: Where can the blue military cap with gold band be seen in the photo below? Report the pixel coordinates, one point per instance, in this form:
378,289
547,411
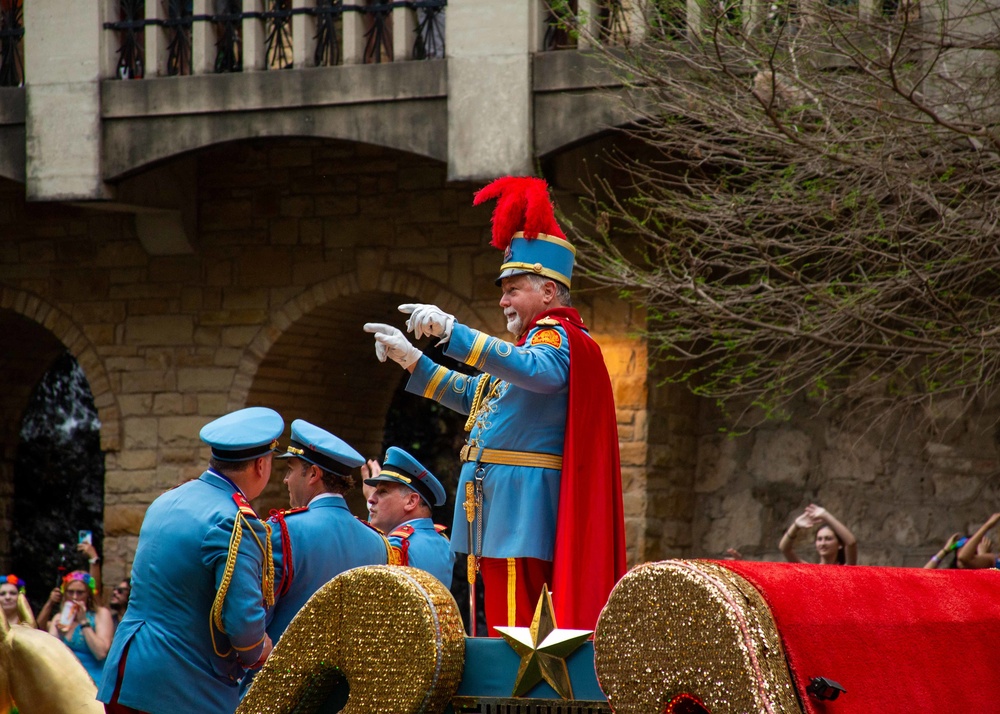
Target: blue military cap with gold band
244,434
543,255
525,228
399,467
320,447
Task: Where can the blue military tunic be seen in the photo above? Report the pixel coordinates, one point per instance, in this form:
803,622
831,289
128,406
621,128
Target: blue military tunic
524,409
424,548
172,665
325,541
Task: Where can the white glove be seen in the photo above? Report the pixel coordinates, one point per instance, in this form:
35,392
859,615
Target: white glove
392,343
428,320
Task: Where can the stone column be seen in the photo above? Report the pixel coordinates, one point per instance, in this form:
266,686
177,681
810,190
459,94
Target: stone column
489,87
63,51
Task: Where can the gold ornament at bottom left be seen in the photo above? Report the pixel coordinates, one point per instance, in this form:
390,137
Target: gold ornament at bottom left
41,675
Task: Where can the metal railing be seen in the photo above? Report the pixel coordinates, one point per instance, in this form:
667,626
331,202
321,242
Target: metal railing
184,37
577,24
11,49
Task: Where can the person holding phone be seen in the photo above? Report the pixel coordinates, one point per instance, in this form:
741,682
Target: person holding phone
85,546
83,625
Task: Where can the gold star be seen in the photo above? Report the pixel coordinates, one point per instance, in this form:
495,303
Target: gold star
543,649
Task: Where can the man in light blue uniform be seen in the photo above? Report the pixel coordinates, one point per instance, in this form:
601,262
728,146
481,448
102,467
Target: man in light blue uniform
188,635
399,503
541,482
517,415
318,538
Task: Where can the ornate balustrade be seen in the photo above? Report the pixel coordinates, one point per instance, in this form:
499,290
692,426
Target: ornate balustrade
188,37
11,50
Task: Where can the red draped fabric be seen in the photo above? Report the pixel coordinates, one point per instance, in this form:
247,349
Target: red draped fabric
590,526
899,640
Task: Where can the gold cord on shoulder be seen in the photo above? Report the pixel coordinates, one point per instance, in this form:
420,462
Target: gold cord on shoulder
267,577
480,400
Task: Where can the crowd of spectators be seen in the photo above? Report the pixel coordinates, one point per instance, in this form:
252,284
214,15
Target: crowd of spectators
835,544
77,610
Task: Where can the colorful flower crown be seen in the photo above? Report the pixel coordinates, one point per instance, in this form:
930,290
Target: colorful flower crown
15,581
81,575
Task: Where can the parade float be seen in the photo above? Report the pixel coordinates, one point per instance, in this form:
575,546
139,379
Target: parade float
676,637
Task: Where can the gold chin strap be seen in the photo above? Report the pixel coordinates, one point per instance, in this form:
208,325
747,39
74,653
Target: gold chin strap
267,579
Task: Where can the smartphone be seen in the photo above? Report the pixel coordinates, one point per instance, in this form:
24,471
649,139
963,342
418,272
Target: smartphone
85,537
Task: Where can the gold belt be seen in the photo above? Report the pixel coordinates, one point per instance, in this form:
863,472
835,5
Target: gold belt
510,458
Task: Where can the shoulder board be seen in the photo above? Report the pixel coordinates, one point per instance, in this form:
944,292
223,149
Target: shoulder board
439,528
244,505
547,322
402,532
546,336
362,521
284,512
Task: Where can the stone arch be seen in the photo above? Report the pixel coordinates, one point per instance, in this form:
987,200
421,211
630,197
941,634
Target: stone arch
36,334
566,119
64,329
344,286
313,361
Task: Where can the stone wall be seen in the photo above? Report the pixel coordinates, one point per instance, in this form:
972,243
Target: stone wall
903,488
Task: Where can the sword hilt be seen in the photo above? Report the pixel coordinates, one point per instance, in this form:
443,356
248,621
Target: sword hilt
470,502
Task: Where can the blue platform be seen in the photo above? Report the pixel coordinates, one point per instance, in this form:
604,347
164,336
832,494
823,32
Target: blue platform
491,668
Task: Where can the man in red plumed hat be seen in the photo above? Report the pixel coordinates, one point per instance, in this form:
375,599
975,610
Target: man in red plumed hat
541,479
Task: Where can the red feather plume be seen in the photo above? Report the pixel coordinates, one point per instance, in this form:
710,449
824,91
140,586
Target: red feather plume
523,204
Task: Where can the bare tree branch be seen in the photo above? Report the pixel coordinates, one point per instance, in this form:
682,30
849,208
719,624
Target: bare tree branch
815,207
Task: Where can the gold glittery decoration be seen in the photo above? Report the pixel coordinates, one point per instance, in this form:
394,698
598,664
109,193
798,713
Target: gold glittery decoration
394,632
691,626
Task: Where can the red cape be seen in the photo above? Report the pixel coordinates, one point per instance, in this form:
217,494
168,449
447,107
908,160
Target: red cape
590,525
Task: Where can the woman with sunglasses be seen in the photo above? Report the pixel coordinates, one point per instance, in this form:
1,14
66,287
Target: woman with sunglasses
85,627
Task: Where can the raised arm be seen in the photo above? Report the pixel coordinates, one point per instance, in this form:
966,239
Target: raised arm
49,608
90,552
787,543
820,514
950,545
969,555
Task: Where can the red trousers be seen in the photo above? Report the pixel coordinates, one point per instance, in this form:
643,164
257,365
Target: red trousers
512,587
113,707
